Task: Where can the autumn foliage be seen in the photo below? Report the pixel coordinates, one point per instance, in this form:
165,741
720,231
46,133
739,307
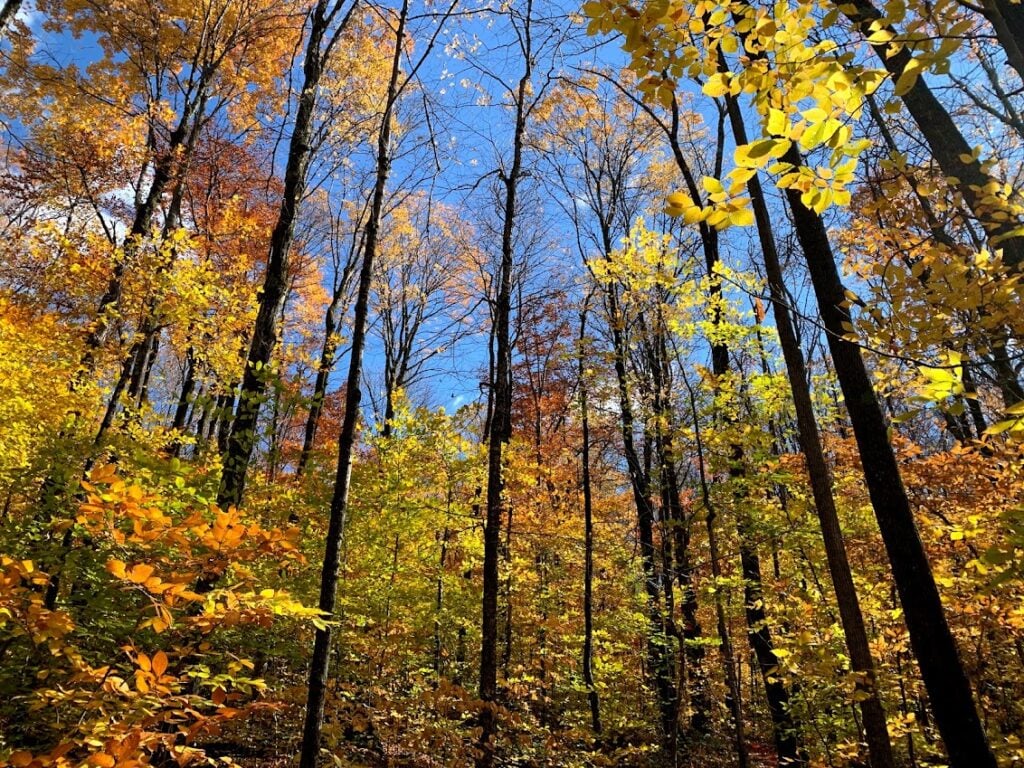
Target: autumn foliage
521,384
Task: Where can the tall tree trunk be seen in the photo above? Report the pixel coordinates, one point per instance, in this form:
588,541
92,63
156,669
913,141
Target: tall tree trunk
501,421
588,536
659,659
275,282
677,531
328,354
930,635
1002,369
316,403
879,745
319,665
175,157
732,683
784,727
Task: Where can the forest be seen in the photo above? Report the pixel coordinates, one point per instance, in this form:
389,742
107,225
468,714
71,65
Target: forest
512,383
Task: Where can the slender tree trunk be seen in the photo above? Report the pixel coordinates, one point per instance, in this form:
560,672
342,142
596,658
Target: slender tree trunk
328,354
439,598
659,659
223,414
1007,19
501,418
167,165
677,531
879,745
319,665
588,537
930,635
188,384
275,283
732,683
784,727
316,405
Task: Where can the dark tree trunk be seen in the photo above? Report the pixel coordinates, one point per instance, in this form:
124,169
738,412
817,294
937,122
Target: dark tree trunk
588,537
930,635
171,162
188,384
323,372
659,659
678,527
275,282
500,427
734,701
1007,19
319,665
879,745
947,144
784,727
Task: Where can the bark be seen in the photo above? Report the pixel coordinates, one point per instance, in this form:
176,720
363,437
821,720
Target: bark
784,728
501,418
8,12
188,385
323,373
733,700
319,665
1007,19
1002,369
879,745
659,660
167,166
930,635
947,144
693,650
275,282
588,540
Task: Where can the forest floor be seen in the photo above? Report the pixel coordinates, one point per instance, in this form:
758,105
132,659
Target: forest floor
271,740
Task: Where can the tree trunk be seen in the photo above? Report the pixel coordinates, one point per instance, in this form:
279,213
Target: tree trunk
879,745
588,538
930,635
659,660
275,282
733,699
500,428
319,665
188,384
785,729
948,146
323,373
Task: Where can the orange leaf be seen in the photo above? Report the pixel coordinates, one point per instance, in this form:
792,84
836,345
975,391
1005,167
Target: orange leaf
159,663
140,573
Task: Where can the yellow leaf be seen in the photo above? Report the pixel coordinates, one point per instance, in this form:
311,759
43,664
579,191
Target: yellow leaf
712,185
717,85
743,217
